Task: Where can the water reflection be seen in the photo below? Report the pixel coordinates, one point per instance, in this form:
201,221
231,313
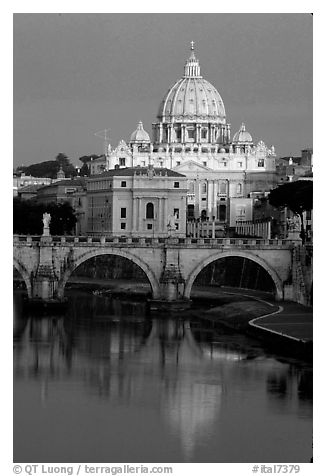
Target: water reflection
189,384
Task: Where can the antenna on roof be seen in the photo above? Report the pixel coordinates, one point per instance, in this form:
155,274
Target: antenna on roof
104,135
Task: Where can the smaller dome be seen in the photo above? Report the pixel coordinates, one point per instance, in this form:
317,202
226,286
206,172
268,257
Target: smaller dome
61,174
242,136
221,150
140,135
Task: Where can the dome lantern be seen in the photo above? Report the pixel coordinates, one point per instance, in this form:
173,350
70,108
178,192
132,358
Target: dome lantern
192,68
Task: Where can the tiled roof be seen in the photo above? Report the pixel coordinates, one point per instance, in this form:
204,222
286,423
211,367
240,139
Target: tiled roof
30,188
131,171
78,181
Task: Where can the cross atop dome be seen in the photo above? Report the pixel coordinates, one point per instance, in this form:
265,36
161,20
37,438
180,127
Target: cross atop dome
192,45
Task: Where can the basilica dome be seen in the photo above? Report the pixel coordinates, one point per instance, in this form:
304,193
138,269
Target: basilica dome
192,98
139,135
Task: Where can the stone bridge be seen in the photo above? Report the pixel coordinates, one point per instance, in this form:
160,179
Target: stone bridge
170,264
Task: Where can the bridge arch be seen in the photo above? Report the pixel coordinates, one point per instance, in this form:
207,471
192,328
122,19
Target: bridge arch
25,275
113,251
226,254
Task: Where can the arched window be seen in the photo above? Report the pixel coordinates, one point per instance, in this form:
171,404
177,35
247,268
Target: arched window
149,210
204,187
239,188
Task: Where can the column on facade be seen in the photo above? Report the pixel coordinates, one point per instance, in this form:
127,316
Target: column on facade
139,217
182,223
169,133
134,213
212,133
209,197
160,132
165,215
183,133
215,188
213,228
228,133
197,195
159,215
197,135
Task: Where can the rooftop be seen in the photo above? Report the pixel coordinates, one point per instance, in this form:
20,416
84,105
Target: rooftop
77,181
131,171
30,188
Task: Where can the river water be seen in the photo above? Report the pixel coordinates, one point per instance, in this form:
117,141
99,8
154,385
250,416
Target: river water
107,382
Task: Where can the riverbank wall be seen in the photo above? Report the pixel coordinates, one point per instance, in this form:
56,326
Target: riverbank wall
241,316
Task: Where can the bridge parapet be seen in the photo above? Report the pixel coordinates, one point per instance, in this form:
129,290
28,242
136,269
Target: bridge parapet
158,242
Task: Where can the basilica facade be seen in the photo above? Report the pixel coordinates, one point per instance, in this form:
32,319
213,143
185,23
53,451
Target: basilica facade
191,136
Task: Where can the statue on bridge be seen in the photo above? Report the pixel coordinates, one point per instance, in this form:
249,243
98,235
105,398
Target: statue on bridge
46,224
172,223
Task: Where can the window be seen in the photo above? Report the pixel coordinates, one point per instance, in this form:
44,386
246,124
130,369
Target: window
149,226
222,210
176,213
191,133
122,226
204,187
190,212
123,183
123,213
176,184
143,163
239,188
150,211
239,164
205,164
223,187
178,163
122,161
240,212
204,133
176,226
261,163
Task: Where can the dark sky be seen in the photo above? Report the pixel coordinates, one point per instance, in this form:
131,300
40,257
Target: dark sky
76,74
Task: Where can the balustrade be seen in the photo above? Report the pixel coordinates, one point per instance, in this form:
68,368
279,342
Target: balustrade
203,239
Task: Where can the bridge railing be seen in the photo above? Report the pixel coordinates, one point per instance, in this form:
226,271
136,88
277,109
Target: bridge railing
152,241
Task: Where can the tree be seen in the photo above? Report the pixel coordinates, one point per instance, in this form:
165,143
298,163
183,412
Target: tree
63,219
297,196
27,217
63,162
50,168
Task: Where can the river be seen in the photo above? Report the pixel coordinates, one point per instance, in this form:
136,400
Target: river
108,382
